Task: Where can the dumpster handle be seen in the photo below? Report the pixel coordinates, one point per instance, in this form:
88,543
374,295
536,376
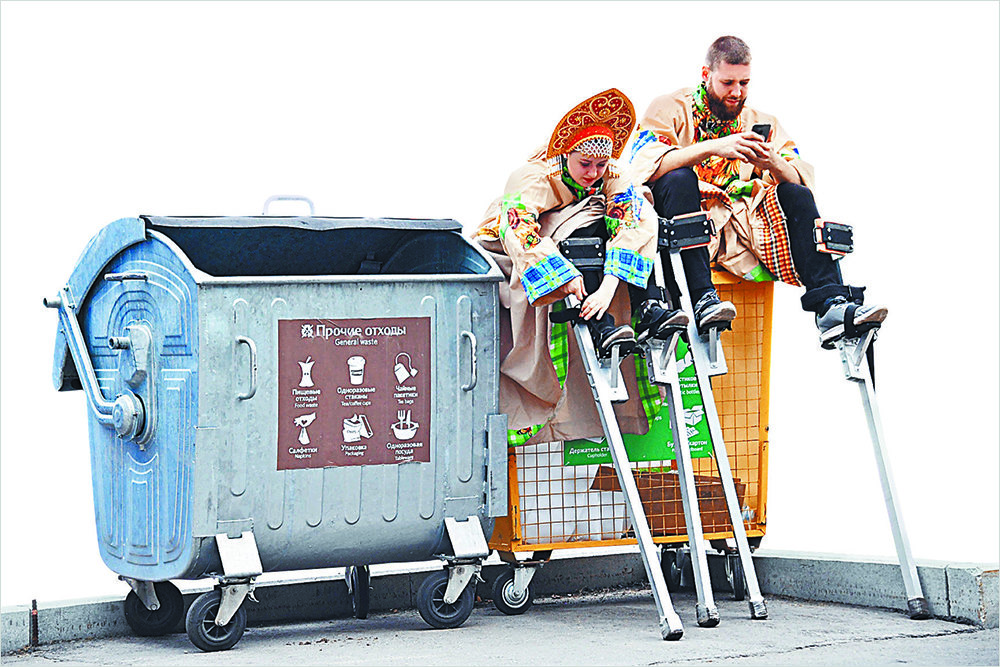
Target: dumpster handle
472,339
253,368
102,408
267,204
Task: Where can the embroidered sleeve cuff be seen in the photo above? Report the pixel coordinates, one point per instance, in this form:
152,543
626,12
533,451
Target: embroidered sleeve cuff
628,265
552,272
623,210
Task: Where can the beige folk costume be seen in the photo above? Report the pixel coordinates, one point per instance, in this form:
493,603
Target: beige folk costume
752,239
543,387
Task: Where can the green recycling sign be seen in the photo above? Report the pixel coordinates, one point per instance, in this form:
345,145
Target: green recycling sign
658,443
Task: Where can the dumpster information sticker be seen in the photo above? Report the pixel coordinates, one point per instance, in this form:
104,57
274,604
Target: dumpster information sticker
353,392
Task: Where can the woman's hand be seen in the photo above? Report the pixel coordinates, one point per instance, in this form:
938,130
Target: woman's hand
574,287
598,302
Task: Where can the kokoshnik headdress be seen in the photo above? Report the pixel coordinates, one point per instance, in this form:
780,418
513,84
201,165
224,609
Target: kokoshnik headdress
598,127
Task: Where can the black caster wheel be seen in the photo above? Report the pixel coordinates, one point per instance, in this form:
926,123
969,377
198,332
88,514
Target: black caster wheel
738,578
685,565
671,570
146,623
201,627
435,611
360,578
506,599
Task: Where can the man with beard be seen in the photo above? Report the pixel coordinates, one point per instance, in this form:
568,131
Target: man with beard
696,151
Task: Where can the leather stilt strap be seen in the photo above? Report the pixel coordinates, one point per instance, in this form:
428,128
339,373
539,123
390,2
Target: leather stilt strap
565,315
850,331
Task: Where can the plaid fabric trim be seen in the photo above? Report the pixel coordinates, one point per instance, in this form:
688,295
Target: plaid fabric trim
628,265
559,345
559,354
772,238
649,393
550,273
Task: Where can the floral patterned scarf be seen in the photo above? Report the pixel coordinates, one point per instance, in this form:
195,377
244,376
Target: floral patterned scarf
720,172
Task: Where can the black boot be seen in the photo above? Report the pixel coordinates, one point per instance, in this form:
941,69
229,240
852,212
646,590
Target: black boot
656,320
711,312
606,335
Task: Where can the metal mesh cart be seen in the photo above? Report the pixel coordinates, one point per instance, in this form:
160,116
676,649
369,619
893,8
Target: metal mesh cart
558,506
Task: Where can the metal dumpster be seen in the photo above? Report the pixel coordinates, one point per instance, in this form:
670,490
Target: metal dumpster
273,394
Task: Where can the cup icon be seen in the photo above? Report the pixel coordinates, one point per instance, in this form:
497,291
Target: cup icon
402,371
356,369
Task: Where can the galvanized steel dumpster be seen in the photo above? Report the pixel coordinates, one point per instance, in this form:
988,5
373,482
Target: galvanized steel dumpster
275,394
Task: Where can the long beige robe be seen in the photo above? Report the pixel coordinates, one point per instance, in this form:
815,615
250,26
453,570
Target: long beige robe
746,235
530,394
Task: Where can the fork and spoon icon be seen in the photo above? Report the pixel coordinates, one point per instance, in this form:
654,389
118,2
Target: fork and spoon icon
404,428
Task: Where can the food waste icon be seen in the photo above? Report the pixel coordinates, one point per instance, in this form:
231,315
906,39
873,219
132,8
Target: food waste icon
307,369
302,422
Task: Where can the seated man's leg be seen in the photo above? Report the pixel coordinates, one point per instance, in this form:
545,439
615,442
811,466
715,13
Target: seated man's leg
826,295
676,193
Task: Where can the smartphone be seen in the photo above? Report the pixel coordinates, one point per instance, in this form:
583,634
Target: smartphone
763,129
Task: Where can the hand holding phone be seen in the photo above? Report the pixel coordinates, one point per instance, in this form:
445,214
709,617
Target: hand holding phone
763,129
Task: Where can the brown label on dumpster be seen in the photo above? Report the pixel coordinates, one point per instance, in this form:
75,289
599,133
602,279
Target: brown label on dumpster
353,392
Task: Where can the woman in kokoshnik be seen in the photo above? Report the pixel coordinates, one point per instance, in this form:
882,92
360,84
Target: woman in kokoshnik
572,187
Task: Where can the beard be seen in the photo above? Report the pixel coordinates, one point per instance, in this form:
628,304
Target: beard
719,108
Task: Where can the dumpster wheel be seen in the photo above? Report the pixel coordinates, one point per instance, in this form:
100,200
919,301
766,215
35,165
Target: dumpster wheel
671,570
201,627
505,596
147,623
435,611
737,577
360,579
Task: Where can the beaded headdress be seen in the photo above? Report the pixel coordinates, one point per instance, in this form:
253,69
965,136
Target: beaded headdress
599,126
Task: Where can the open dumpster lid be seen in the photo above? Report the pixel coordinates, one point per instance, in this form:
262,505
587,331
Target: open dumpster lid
276,246
308,223
303,246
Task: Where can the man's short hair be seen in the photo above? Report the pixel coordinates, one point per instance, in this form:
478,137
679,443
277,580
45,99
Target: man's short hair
732,50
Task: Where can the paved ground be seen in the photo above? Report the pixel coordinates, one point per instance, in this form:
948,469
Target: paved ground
611,628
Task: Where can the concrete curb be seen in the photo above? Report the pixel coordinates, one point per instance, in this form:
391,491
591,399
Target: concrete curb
962,592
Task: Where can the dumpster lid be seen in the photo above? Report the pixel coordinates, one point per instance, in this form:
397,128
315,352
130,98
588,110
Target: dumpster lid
272,245
320,246
318,224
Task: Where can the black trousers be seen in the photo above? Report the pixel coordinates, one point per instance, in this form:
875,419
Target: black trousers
676,193
592,277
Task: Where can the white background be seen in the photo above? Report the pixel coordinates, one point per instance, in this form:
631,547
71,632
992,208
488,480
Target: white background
422,110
